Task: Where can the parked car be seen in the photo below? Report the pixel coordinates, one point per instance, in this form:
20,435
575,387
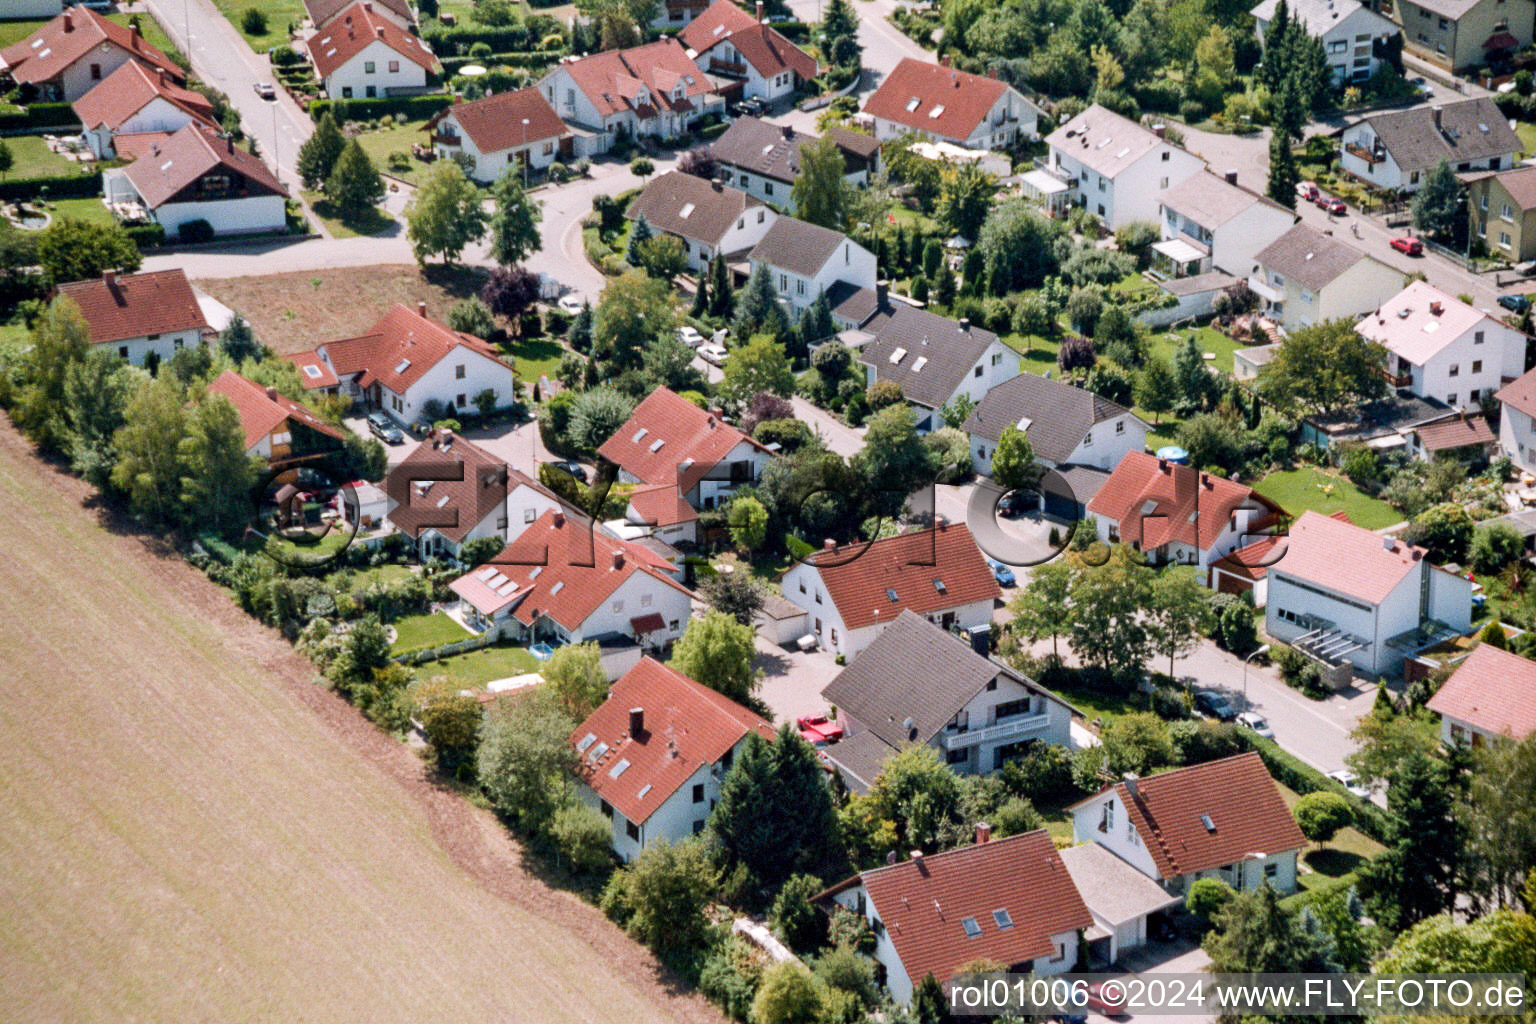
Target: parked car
1003,574
1332,204
1308,191
1110,1003
1515,303
382,427
571,303
1421,87
1351,782
1215,705
715,354
1255,721
575,469
1013,505
690,336
265,90
816,729
1408,245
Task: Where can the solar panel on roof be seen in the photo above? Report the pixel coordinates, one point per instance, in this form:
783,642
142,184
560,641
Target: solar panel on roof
486,573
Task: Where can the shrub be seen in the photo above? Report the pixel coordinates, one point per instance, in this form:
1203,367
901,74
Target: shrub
253,22
1207,896
196,231
1321,815
797,921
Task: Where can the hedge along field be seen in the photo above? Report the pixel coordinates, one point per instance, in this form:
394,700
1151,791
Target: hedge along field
193,830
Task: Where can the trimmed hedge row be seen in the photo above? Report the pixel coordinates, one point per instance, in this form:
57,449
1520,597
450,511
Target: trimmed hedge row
75,186
146,236
1296,774
412,108
457,39
41,115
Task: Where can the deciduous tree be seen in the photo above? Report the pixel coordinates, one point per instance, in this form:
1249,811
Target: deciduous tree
219,474
820,194
576,678
758,366
445,215
525,757
1324,367
717,651
633,311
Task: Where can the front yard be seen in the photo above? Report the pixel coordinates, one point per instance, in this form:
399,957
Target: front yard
1298,490
279,14
89,210
374,222
1338,860
382,143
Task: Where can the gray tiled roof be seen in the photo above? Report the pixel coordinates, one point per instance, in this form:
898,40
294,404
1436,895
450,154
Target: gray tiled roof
1308,257
1469,130
939,352
773,151
858,758
713,210
1059,414
1210,200
913,670
797,246
851,302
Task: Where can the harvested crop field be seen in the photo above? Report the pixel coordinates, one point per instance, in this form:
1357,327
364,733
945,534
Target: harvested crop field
192,830
295,312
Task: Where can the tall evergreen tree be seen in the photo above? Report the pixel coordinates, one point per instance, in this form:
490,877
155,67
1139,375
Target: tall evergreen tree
758,311
1416,877
1283,175
633,255
354,185
1194,381
319,153
815,324
721,299
840,34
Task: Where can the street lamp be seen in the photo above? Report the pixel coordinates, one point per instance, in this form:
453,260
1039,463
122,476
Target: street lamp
277,164
526,157
1262,649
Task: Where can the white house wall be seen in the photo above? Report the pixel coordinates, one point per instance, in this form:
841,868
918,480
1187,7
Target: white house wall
77,79
1120,839
158,115
352,80
249,215
491,166
135,350
1132,195
641,594
1517,437
443,383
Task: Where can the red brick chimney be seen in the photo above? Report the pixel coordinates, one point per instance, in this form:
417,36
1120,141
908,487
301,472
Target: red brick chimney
272,394
618,560
109,278
636,721
559,518
759,12
983,832
69,21
421,310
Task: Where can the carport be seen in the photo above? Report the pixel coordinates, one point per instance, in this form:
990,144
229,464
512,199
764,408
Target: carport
1119,897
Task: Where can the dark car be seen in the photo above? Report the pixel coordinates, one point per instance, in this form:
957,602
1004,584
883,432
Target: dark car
384,429
575,469
1214,704
1013,505
1515,303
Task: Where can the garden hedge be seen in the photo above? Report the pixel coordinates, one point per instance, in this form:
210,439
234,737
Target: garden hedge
456,40
73,186
1290,771
528,59
412,108
41,115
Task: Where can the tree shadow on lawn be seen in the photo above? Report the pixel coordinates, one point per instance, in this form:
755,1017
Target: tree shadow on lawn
372,222
1333,863
460,282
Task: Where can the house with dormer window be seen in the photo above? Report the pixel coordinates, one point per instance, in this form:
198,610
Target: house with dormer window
944,104
727,42
1115,168
708,217
363,54
934,360
1397,149
654,89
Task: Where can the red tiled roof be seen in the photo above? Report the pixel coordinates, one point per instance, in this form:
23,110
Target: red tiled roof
314,372
570,568
612,79
1235,793
643,624
924,904
1456,432
67,38
400,349
760,45
130,89
1351,560
861,584
1155,502
321,12
123,306
1251,561
1520,393
132,145
661,505
350,32
263,410
452,507
488,589
496,122
964,98
685,725
188,155
664,432
1492,690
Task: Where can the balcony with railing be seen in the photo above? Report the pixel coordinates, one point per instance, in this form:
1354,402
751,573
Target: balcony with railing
444,139
730,68
1015,727
1370,155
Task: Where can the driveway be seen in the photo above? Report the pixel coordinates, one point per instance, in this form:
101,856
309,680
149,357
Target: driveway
1179,957
838,436
792,680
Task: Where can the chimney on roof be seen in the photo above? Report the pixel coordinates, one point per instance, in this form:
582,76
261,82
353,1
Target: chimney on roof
944,61
1389,544
272,394
368,6
1231,177
965,324
559,518
983,832
1435,112
229,144
421,310
69,21
133,36
882,293
165,78
618,560
109,278
917,858
1162,465
759,12
636,721
941,521
1436,308
716,184
829,545
1159,129
1131,782
378,31
992,73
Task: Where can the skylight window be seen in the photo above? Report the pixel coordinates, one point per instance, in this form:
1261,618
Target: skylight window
938,585
619,768
972,929
1210,826
937,111
597,753
167,165
913,103
656,444
922,361
898,355
402,366
1106,142
535,573
557,588
486,573
46,53
586,741
768,149
890,593
443,500
1121,155
36,43
718,29
494,578
313,371
686,211
507,589
644,790
1002,918
638,435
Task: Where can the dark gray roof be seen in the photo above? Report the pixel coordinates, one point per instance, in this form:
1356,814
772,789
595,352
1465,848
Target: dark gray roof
1380,418
936,353
680,204
773,151
1059,414
1308,257
852,303
858,758
1083,483
916,671
1198,284
857,143
1469,130
797,246
1524,521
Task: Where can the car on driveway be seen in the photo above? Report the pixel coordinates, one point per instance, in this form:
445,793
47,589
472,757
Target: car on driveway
1308,191
1349,781
1421,87
1332,204
714,354
1515,303
690,336
575,469
1110,1002
1408,245
382,427
1215,705
1003,574
571,303
816,729
265,90
1256,722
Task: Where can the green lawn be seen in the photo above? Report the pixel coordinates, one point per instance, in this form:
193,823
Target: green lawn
476,668
1297,490
89,210
535,357
374,222
16,31
418,631
380,144
1527,132
1338,859
153,35
1165,343
33,159
14,335
279,13
1039,354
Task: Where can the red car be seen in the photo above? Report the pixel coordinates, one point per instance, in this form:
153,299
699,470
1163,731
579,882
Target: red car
1109,1003
1333,204
1408,246
815,729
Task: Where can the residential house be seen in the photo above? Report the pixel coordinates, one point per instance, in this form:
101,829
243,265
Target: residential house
1490,696
1010,901
652,756
275,427
1517,421
562,581
1222,819
362,53
322,12
706,216
805,259
1387,425
70,55
653,89
1462,34
1175,514
1464,437
917,683
1115,167
507,129
1210,222
138,101
853,592
1440,347
942,104
935,360
407,360
1065,425
1306,277
672,15
1120,898
1353,35
1341,593
763,160
154,313
199,174
668,441
1505,202
659,511
728,43
1397,149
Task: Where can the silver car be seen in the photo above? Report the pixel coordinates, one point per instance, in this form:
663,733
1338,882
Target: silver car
1257,723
